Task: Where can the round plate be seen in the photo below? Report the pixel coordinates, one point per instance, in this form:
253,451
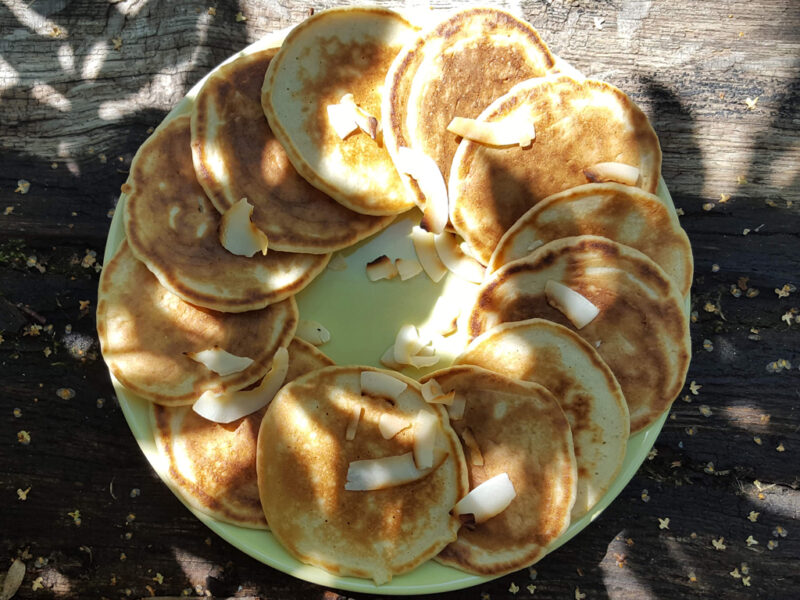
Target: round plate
363,318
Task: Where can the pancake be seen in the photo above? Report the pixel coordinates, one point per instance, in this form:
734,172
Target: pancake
456,68
578,125
641,331
587,391
237,156
172,227
303,460
333,53
145,331
212,465
520,430
619,212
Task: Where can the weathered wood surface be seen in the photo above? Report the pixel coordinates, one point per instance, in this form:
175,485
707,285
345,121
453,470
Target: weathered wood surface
80,85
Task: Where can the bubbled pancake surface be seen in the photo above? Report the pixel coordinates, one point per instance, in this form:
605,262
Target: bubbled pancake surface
303,459
172,227
213,465
456,68
145,331
520,430
587,391
641,331
578,125
236,155
622,213
336,52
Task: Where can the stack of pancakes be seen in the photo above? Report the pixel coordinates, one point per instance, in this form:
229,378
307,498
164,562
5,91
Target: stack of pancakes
543,401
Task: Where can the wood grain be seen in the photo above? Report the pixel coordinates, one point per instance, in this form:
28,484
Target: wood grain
81,85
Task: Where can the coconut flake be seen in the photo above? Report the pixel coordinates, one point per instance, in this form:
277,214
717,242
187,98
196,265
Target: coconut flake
576,307
613,171
455,260
426,426
421,361
506,132
388,359
381,268
227,406
341,118
389,471
376,383
312,332
390,425
429,178
220,361
431,389
425,247
457,407
406,344
407,268
352,424
475,454
238,234
488,499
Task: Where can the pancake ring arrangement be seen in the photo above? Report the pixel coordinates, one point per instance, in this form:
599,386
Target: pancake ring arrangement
480,279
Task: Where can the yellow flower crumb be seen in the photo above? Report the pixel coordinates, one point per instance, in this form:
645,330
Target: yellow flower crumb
708,206
37,584
23,437
240,17
76,517
751,102
751,541
159,578
723,198
663,523
117,41
695,387
780,448
23,494
741,179
513,588
719,544
23,187
753,516
212,11
531,588
705,410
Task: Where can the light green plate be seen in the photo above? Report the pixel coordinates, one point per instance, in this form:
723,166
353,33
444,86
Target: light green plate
363,318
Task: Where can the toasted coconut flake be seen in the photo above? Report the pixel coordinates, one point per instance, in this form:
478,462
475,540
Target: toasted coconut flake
421,361
407,268
431,389
347,116
425,247
352,424
488,499
238,234
390,425
506,132
13,579
337,263
228,406
426,426
576,307
388,359
383,385
445,316
613,171
220,361
431,183
406,344
475,454
381,268
457,407
312,332
340,117
455,260
389,471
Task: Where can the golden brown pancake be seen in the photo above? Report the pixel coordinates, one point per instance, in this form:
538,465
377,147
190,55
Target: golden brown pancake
237,156
641,331
587,391
303,460
214,465
578,125
622,213
337,52
145,332
456,68
520,430
172,227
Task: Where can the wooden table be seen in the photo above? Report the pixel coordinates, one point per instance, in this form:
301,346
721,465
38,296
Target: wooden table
714,510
